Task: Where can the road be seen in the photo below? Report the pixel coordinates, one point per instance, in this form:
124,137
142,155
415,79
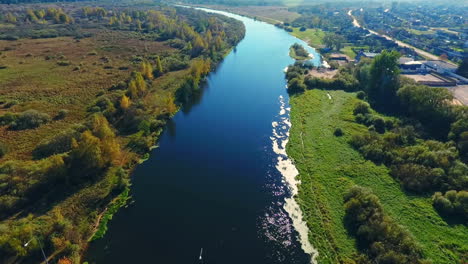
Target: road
421,52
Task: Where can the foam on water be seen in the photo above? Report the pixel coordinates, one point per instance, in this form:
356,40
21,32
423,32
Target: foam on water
289,172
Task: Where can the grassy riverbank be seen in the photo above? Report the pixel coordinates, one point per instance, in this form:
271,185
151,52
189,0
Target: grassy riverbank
314,37
328,166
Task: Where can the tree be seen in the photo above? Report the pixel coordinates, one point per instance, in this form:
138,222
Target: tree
328,40
333,41
137,85
87,152
381,238
431,106
463,68
296,85
384,80
10,18
97,147
147,70
159,68
65,260
124,102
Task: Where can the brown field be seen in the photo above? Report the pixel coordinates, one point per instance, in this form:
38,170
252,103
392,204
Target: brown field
34,79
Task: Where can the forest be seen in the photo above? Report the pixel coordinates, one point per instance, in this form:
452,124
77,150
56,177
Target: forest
89,90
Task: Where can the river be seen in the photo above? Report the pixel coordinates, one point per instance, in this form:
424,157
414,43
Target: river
214,182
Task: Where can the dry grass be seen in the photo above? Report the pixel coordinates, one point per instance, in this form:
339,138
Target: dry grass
39,83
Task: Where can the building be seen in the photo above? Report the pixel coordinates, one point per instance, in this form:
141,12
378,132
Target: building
363,54
341,59
412,67
404,60
439,66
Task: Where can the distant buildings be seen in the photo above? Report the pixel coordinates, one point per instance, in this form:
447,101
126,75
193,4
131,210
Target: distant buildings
363,54
431,73
439,66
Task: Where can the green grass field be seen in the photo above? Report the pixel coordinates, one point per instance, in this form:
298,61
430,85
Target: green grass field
328,166
312,36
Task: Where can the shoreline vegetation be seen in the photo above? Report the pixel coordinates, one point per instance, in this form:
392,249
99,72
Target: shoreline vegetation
299,53
105,84
343,180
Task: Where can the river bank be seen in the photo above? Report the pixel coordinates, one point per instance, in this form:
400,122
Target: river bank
328,166
234,212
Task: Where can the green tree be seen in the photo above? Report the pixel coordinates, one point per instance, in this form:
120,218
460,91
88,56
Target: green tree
384,80
463,68
159,68
429,105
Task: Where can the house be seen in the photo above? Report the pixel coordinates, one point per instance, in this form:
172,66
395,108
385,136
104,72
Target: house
404,60
339,57
412,67
363,54
439,66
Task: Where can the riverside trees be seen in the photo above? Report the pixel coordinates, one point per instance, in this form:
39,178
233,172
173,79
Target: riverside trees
418,134
64,171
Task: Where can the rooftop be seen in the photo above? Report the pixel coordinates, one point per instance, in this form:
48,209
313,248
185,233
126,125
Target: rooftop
440,64
405,60
370,54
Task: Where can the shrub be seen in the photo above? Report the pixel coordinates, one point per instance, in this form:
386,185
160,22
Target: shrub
379,125
361,108
360,118
63,63
7,119
338,132
59,144
389,124
452,203
3,150
30,119
361,95
388,242
62,114
10,104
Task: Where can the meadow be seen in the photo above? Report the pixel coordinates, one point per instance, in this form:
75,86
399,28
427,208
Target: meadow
325,178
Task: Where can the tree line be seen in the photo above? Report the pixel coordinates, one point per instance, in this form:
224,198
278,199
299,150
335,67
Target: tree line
414,130
75,174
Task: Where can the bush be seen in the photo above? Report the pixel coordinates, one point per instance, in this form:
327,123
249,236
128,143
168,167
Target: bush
384,239
360,118
7,119
59,144
296,85
30,119
361,95
63,63
338,132
453,203
61,114
3,150
10,104
379,125
361,108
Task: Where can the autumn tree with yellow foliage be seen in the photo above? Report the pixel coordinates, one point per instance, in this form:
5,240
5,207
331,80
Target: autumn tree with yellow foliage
147,70
124,102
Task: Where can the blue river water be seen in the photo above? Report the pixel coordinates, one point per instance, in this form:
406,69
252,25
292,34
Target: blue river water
213,183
